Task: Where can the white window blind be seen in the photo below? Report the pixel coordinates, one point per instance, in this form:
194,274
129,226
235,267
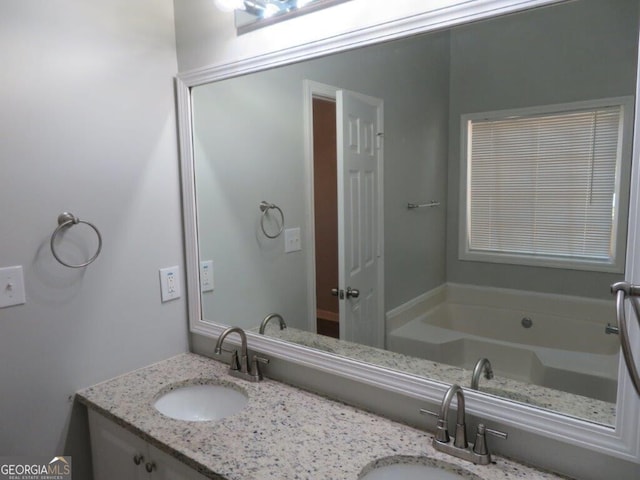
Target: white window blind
545,185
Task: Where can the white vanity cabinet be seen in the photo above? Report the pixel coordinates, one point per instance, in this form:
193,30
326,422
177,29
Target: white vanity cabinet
118,453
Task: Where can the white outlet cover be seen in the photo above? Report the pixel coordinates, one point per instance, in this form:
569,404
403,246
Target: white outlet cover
206,276
170,283
11,286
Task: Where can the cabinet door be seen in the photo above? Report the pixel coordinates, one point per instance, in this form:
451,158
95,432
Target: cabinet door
115,451
168,468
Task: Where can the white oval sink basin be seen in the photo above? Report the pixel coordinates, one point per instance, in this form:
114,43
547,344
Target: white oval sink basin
201,403
414,468
407,471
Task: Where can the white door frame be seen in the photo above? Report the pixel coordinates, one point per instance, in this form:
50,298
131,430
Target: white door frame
313,89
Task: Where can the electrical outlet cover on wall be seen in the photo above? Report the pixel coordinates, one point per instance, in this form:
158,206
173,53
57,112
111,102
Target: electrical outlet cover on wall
206,276
170,283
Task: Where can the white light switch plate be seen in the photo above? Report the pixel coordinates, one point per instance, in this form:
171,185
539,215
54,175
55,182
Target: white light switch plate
206,276
170,283
11,286
292,242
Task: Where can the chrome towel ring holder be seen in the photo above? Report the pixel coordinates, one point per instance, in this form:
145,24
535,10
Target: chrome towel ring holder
67,220
624,290
264,208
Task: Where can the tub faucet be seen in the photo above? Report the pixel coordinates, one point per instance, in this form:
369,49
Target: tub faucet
268,318
481,364
478,453
240,367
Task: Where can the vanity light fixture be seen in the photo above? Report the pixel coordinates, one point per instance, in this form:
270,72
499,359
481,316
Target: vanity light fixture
229,5
264,8
251,14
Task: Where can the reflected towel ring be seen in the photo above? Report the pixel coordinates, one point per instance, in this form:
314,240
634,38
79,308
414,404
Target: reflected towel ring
67,220
264,208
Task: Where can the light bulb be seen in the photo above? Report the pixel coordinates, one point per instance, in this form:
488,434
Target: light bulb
229,5
270,10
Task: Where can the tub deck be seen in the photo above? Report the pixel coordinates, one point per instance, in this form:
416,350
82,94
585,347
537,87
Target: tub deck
565,348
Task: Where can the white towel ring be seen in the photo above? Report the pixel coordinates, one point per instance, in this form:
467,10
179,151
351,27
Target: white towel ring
67,220
264,208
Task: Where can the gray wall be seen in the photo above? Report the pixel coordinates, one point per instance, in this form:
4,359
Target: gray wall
88,125
250,131
494,66
248,146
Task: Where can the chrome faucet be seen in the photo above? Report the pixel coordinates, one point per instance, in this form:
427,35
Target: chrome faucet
482,364
239,366
270,317
442,434
478,453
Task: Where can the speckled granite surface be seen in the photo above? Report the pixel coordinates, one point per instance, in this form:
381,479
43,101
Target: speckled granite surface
283,433
535,395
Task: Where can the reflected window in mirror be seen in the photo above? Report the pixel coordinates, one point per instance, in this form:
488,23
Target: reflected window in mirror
543,185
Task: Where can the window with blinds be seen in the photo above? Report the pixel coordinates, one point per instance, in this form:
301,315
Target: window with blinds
543,186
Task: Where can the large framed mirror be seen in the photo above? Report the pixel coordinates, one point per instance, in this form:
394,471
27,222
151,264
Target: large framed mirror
453,256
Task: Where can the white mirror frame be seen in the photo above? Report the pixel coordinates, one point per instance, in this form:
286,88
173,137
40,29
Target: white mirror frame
621,441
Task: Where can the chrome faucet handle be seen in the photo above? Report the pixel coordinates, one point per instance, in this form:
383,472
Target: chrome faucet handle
255,366
234,362
442,426
424,411
480,446
496,433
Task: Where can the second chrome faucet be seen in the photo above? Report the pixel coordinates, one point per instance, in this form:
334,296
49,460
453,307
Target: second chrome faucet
240,366
459,447
482,364
270,317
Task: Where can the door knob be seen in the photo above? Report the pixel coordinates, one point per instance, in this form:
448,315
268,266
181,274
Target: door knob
336,292
352,292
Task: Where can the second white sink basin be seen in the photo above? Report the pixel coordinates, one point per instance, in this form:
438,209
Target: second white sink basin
407,471
414,468
200,403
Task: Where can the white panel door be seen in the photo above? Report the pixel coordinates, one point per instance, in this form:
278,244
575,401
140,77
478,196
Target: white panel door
358,120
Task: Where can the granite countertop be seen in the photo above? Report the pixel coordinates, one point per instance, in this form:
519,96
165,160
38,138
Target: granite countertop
283,432
578,406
